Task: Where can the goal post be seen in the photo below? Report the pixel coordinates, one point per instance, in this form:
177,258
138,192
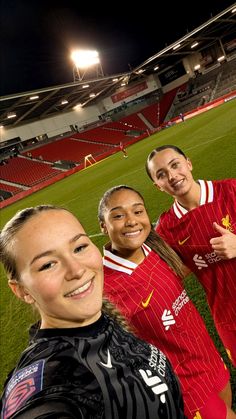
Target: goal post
89,160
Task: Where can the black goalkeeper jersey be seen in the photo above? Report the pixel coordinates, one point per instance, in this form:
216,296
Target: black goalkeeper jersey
96,371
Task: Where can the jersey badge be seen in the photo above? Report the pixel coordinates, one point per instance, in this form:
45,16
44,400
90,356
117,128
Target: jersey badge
24,384
145,303
226,223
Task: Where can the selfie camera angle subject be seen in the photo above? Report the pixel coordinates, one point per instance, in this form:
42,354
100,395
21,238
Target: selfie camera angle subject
80,362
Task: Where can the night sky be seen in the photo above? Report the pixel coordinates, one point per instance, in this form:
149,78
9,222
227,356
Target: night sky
37,36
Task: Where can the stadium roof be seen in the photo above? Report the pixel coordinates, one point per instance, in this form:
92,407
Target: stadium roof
38,104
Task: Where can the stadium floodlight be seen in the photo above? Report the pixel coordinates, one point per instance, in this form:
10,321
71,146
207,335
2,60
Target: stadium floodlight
86,61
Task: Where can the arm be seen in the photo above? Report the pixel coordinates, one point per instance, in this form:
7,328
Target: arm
44,408
225,244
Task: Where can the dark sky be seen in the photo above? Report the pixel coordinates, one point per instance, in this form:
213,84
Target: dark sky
37,35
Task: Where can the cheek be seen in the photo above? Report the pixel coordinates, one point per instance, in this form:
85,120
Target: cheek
95,261
45,289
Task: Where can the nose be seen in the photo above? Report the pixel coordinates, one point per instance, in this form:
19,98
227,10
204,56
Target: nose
170,175
73,269
130,220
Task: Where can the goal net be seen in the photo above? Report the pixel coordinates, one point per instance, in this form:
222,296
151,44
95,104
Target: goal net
89,160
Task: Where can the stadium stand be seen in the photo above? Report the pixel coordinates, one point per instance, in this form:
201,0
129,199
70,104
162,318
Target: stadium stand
149,101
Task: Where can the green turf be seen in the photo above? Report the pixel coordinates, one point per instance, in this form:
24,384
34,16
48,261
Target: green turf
208,139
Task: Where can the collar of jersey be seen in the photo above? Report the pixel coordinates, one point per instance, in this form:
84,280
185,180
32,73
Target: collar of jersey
120,264
206,196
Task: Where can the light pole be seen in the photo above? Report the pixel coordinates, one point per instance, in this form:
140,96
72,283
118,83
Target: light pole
86,63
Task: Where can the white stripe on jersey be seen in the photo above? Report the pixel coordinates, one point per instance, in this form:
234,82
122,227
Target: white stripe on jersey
207,195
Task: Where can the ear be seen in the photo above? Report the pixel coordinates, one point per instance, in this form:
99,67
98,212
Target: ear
20,291
189,163
103,227
158,187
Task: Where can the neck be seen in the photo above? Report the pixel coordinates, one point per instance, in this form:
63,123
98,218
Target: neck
137,256
49,322
191,199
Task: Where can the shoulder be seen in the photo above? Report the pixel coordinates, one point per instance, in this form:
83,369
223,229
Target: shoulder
225,182
225,185
163,218
49,409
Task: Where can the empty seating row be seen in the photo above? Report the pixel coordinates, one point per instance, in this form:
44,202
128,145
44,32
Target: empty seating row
26,172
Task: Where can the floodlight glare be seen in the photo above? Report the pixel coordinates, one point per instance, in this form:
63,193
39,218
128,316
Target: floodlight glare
85,58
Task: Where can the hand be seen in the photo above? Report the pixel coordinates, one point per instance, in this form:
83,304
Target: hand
224,245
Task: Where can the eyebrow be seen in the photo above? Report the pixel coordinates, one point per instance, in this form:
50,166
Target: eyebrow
121,208
171,161
49,252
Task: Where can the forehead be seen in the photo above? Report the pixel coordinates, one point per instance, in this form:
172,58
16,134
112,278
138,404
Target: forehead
49,222
123,197
164,157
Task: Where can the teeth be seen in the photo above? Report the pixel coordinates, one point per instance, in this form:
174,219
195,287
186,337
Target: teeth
79,290
133,233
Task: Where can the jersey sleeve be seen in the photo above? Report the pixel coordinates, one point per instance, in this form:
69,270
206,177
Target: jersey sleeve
50,409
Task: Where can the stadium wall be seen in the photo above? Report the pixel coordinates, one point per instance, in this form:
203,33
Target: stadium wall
53,125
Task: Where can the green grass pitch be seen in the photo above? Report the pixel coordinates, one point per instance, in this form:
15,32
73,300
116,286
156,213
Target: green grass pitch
208,139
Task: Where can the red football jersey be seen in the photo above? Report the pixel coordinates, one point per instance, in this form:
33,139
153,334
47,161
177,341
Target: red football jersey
152,297
189,234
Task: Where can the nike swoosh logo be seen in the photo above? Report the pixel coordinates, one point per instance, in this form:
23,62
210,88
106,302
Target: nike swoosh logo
147,301
108,364
183,241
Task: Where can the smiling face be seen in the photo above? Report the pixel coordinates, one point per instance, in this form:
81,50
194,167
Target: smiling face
127,223
60,270
171,172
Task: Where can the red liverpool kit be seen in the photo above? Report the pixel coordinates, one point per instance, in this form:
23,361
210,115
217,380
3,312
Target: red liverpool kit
189,234
152,297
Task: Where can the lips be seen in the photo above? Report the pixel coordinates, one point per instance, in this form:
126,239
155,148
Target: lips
177,184
79,290
132,233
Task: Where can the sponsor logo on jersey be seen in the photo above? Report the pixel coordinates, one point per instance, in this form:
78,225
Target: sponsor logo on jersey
167,319
181,242
180,301
145,303
168,315
158,360
208,259
107,364
156,384
226,223
199,261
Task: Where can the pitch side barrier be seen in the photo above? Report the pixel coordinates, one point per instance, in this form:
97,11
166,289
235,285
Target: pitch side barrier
200,109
